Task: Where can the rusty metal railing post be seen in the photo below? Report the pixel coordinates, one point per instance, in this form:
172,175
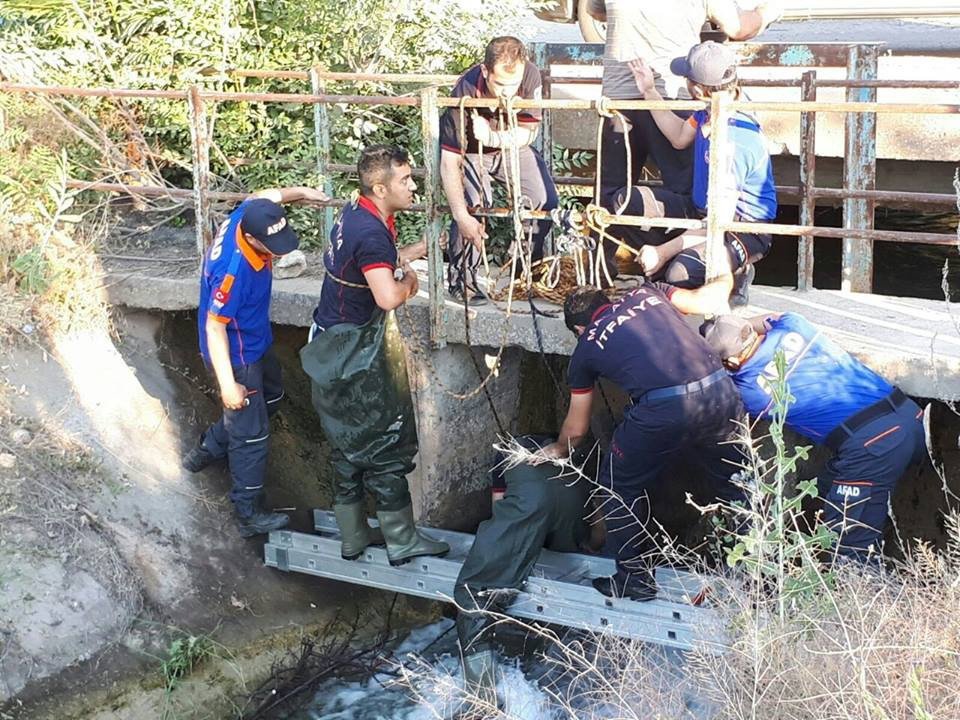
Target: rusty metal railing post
430,123
717,179
200,147
541,59
808,166
321,135
859,171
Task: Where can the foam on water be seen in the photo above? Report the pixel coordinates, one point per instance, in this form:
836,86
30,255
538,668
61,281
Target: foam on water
381,698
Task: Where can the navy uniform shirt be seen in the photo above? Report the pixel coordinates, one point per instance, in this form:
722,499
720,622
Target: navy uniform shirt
360,240
235,290
473,84
640,343
828,384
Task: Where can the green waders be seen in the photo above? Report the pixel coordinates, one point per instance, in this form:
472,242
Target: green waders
362,395
539,510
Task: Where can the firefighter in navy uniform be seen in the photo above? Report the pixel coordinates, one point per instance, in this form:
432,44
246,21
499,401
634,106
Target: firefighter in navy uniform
875,431
682,401
355,362
235,342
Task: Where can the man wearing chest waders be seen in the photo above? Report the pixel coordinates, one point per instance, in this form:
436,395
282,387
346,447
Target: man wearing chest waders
355,362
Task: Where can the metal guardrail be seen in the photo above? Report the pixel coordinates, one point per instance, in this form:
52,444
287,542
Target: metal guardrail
858,194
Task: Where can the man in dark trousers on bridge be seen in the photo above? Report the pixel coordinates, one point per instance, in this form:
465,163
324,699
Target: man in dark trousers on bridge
682,401
236,340
478,150
875,431
355,362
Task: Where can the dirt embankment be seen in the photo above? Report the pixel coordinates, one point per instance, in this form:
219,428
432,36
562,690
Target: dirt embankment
109,551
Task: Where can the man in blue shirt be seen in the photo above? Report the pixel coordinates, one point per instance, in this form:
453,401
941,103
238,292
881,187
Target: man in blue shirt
681,401
355,361
235,342
875,431
748,194
466,172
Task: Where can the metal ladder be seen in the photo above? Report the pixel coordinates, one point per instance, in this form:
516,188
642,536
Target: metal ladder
558,590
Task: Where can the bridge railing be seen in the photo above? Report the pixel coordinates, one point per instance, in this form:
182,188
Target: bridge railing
858,194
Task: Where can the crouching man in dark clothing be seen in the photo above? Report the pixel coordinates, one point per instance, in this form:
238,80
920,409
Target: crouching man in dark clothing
535,507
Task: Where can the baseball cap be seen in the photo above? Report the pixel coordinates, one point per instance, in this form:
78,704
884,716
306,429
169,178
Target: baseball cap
708,63
267,222
728,335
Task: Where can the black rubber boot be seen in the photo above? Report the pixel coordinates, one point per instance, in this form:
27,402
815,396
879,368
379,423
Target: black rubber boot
480,679
261,522
404,542
198,458
355,533
640,586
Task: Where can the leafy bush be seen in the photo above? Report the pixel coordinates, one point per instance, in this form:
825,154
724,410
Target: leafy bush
173,44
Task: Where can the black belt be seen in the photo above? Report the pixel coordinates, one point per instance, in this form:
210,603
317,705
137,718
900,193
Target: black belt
848,427
677,390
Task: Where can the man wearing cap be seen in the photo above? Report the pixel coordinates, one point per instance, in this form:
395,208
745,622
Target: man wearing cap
657,32
467,173
875,431
235,341
682,401
355,361
748,191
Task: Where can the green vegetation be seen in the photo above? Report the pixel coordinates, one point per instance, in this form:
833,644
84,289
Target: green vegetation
164,44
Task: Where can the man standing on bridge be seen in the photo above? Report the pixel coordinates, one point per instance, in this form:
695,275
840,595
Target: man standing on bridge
235,341
480,148
682,401
875,431
355,362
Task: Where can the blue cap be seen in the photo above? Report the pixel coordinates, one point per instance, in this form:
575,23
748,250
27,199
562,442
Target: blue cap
267,222
708,63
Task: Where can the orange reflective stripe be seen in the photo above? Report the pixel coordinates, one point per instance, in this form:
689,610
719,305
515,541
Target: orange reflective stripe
227,283
219,318
881,435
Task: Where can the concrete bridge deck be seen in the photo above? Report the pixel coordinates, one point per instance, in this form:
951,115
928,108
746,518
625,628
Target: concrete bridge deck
913,342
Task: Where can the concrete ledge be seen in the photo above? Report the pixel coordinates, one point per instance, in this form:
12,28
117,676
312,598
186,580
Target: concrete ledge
915,343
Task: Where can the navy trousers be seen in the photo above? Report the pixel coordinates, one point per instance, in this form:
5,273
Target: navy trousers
701,424
241,435
859,479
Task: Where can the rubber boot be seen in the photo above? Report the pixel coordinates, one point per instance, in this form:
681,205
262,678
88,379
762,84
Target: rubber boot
404,542
355,533
480,679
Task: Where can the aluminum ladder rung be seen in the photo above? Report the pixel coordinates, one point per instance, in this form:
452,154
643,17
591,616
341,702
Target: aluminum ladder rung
673,584
544,597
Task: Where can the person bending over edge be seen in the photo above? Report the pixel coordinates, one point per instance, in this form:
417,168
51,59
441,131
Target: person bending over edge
236,343
683,401
356,366
748,191
874,430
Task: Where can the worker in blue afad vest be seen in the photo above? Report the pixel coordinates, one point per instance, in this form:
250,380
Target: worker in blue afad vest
875,431
235,342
